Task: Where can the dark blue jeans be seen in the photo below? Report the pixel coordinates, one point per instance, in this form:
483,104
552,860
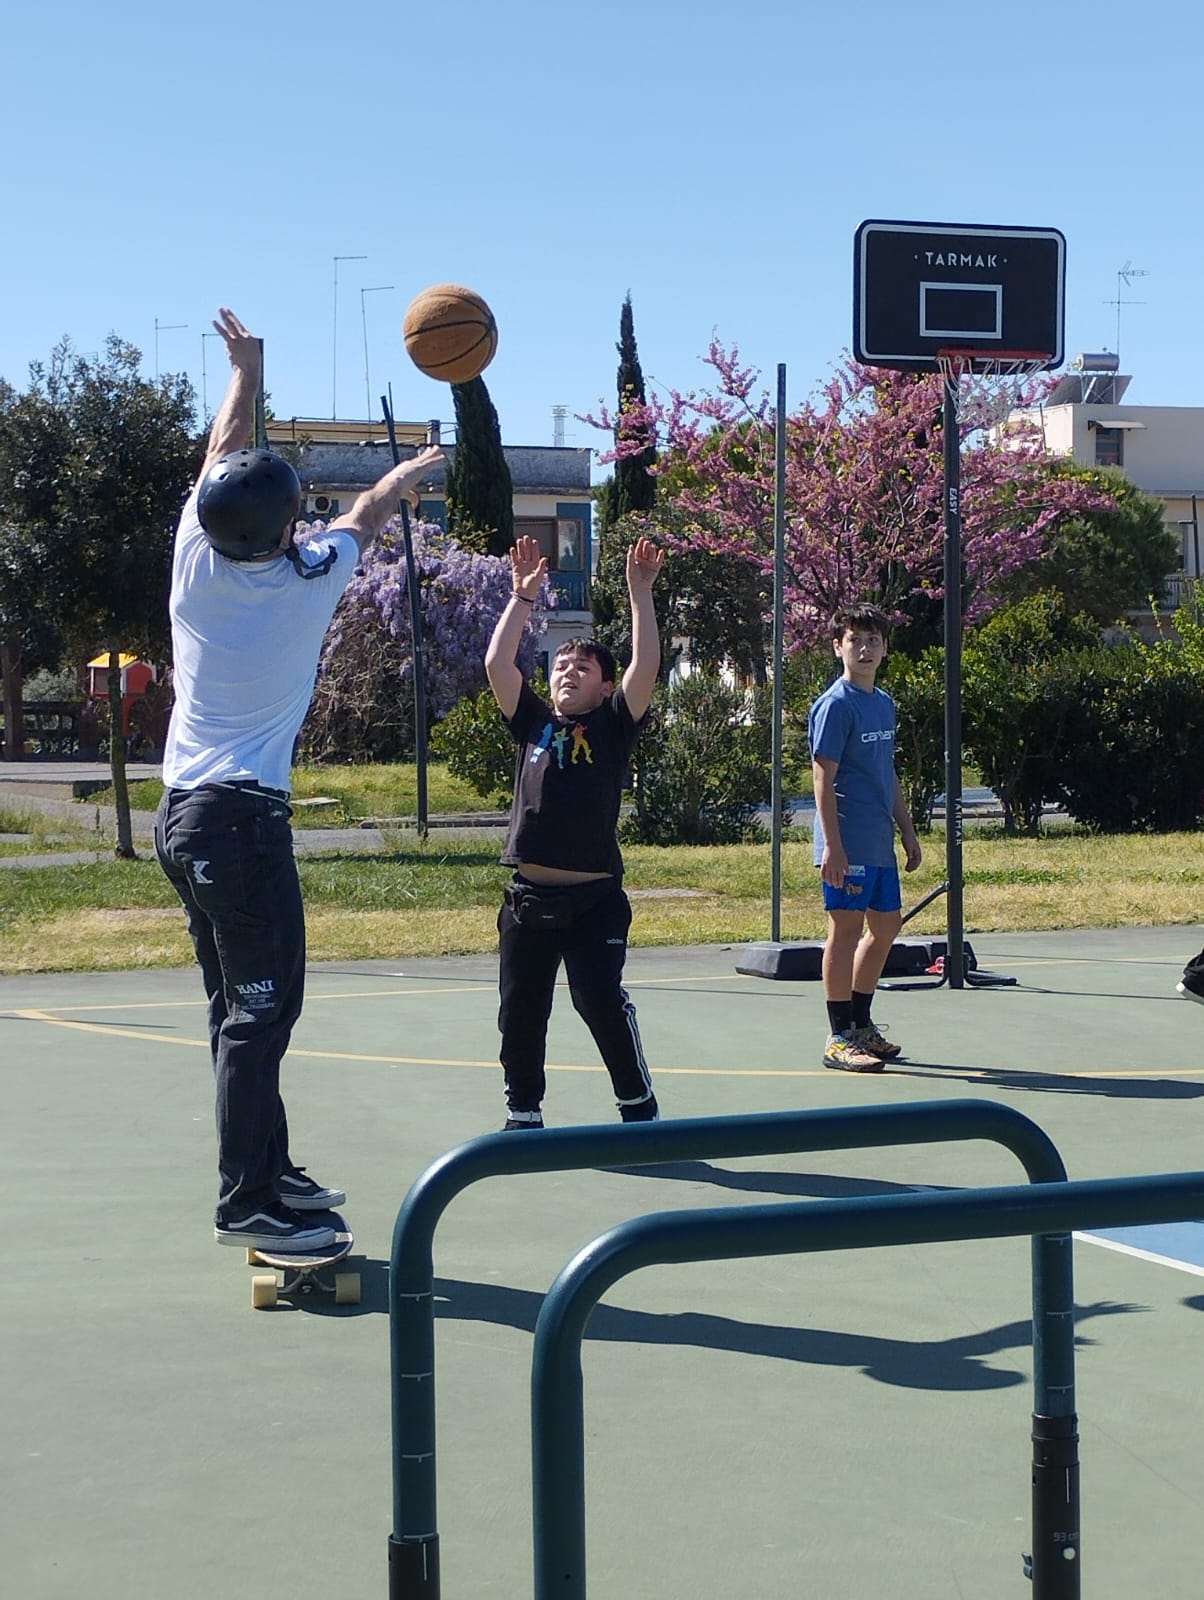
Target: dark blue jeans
592,943
228,852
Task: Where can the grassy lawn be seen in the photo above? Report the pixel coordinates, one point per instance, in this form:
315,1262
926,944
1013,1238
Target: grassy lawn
440,897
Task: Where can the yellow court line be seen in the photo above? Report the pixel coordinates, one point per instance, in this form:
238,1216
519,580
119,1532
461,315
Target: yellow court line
982,1074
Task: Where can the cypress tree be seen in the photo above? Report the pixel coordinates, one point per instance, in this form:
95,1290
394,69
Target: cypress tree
480,495
635,489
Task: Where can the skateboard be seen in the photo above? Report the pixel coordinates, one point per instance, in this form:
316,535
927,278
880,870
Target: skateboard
301,1272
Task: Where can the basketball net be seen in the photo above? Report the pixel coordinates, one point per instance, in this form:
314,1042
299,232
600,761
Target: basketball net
987,388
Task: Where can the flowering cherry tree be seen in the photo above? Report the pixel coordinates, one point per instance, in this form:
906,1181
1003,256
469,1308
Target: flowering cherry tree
864,488
363,705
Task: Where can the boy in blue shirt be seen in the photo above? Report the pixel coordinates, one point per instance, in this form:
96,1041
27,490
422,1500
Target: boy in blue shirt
858,804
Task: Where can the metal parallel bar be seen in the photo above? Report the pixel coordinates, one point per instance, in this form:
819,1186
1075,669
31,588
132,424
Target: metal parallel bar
413,1543
792,1227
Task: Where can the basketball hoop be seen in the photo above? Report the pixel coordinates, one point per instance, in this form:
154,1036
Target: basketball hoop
987,386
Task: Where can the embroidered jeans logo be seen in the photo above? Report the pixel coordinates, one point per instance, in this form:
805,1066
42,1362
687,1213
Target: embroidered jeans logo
257,986
198,872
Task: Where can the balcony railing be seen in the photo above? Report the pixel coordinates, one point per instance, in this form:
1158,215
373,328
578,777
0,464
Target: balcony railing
1178,589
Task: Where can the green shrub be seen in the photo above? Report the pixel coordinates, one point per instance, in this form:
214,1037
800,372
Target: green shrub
702,765
1018,700
477,744
1133,759
917,686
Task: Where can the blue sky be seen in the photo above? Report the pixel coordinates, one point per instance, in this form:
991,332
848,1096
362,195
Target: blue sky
715,160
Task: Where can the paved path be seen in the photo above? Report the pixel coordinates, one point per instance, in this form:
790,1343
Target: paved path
45,787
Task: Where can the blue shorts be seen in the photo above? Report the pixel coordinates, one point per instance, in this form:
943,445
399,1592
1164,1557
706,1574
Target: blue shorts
866,889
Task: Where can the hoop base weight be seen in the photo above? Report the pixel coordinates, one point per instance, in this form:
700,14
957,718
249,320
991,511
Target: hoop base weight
795,962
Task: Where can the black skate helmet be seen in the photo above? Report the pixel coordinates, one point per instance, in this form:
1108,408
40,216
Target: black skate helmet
245,502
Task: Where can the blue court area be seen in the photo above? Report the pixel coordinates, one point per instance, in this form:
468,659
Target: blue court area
848,1424
1169,1244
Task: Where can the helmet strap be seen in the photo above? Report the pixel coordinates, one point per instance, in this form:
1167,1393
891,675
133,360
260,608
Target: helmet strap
319,568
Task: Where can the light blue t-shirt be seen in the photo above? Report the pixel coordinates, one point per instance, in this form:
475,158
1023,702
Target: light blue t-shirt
246,636
856,729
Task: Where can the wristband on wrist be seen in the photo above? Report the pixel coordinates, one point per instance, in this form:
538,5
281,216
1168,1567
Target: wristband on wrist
514,595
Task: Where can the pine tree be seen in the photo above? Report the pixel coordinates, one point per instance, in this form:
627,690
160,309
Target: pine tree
480,495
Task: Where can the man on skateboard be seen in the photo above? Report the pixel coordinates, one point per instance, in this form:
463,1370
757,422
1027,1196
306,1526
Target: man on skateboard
249,611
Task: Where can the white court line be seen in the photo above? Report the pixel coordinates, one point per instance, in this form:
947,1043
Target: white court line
314,995
1142,1255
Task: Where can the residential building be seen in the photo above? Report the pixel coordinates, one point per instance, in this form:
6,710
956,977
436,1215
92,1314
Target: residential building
1159,448
552,498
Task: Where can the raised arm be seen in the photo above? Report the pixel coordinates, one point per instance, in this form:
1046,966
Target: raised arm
376,505
235,420
644,562
528,569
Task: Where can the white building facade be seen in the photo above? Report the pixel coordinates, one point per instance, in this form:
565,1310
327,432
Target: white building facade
1158,448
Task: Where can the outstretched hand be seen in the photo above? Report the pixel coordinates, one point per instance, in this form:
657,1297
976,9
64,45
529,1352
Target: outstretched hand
644,562
528,569
243,347
408,475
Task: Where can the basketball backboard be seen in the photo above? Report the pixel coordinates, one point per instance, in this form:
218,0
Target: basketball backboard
920,288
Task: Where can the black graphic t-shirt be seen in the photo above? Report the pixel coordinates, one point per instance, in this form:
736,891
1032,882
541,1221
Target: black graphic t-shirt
568,783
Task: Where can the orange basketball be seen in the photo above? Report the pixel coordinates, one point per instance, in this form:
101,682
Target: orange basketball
450,333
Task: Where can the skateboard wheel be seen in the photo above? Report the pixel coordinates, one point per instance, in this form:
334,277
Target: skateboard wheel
263,1290
346,1288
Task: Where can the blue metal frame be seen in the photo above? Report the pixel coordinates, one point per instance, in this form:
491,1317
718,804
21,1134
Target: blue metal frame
414,1542
792,1227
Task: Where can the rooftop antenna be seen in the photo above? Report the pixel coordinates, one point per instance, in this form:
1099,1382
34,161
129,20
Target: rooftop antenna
558,415
1124,278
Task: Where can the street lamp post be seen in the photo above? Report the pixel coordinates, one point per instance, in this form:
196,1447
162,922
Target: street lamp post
334,356
376,288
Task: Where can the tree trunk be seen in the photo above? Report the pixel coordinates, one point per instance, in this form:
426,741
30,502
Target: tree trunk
14,682
124,847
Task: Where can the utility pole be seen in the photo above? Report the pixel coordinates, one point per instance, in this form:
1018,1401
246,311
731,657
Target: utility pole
163,327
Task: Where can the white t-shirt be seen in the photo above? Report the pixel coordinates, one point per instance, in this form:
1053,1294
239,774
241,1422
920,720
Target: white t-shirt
246,636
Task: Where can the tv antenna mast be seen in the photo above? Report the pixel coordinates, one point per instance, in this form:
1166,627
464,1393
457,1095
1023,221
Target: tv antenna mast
1124,279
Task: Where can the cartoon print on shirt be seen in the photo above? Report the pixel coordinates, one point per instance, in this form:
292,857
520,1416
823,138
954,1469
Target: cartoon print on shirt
581,744
561,739
541,745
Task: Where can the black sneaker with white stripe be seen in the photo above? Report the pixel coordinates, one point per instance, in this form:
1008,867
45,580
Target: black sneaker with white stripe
273,1227
300,1191
521,1121
645,1110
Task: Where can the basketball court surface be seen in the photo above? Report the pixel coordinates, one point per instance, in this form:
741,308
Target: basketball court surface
849,1425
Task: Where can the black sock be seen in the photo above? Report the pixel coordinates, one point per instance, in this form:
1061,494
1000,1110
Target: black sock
840,1016
861,1004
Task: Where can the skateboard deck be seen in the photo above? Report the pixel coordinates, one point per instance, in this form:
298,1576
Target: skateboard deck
300,1273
